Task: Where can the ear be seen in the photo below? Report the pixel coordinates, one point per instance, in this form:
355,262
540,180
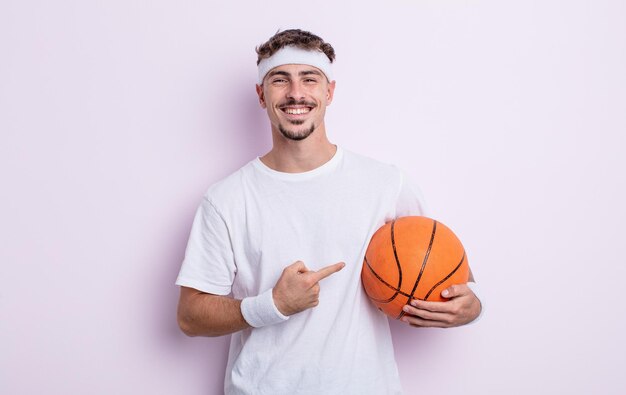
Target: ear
330,93
259,92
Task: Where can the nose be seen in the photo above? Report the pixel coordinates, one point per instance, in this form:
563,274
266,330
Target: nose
295,91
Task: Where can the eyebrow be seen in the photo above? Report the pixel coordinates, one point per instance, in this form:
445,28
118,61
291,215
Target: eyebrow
308,72
301,73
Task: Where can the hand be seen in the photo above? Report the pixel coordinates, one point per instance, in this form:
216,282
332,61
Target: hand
461,308
298,287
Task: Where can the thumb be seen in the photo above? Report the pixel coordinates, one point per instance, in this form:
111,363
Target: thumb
453,291
299,267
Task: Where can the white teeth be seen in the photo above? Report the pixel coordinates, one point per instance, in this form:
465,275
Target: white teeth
296,110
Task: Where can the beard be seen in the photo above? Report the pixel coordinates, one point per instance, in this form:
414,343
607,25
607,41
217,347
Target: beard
296,135
293,134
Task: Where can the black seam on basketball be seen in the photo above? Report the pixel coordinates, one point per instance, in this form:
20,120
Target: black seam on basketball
402,312
397,291
395,254
446,277
430,246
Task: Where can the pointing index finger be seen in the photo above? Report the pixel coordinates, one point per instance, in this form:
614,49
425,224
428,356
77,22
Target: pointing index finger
328,270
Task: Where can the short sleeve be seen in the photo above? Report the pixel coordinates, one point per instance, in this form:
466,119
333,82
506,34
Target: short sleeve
209,264
410,199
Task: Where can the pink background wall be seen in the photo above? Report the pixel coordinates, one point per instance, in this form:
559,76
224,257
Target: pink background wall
116,116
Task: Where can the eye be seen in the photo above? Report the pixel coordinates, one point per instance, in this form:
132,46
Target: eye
279,81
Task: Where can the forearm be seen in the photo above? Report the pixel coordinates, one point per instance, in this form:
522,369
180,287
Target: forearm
202,314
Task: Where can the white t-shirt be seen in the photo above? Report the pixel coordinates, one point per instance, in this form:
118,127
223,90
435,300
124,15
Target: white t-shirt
257,221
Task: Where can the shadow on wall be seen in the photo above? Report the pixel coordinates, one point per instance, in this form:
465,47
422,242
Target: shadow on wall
244,131
252,130
244,126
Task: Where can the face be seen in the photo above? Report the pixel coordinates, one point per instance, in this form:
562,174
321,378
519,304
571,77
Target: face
296,97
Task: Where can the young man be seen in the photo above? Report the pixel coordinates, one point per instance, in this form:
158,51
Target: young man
276,248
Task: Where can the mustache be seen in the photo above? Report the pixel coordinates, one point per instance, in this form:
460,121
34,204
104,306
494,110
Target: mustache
293,102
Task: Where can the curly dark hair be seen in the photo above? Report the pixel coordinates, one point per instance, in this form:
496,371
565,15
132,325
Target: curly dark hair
297,38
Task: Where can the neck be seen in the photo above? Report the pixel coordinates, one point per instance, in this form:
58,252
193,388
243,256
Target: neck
290,156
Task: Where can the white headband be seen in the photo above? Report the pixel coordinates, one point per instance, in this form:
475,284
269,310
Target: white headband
295,55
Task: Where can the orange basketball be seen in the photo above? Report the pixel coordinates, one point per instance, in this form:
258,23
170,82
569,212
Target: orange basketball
412,258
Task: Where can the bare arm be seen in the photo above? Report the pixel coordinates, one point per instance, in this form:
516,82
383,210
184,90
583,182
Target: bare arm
203,314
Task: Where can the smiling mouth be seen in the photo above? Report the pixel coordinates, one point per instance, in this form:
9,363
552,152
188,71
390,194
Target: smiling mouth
296,108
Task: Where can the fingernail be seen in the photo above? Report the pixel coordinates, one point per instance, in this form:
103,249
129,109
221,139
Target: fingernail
414,303
445,293
406,309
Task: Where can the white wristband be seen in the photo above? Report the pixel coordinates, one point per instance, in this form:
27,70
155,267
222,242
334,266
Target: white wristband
260,310
476,289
